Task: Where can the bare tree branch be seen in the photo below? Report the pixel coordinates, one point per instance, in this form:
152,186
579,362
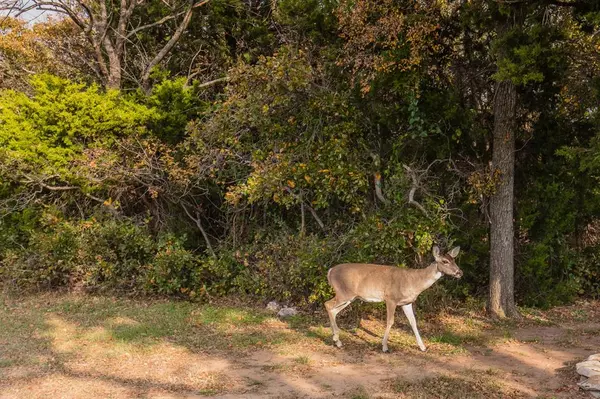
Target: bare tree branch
108,30
315,216
377,177
159,22
213,82
310,208
413,190
171,43
29,180
199,225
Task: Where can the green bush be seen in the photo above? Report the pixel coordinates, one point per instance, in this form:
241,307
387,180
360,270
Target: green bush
219,275
110,255
115,255
546,276
172,270
48,261
44,134
287,267
587,272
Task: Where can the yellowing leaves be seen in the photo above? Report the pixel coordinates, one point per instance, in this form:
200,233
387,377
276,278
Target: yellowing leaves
385,36
232,197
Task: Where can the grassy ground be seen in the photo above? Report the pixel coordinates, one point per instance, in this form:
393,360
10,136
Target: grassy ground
82,346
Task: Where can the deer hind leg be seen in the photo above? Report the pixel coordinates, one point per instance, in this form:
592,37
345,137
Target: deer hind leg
334,306
408,311
391,310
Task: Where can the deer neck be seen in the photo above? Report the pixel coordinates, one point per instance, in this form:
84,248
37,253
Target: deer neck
428,276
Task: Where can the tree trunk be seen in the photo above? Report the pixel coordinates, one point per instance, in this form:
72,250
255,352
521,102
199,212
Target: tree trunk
501,299
114,76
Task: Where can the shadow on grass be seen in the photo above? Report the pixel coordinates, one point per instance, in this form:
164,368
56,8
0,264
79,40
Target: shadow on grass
197,327
29,338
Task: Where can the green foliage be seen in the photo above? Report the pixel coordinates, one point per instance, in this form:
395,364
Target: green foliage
291,267
44,134
100,255
175,105
587,272
393,240
115,255
302,140
313,17
332,115
530,53
288,268
546,278
48,261
173,269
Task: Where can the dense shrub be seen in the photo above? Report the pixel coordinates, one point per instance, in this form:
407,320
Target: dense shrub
48,260
547,277
173,269
117,256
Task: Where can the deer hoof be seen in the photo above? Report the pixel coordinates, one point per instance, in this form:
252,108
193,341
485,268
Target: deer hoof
338,344
423,349
386,350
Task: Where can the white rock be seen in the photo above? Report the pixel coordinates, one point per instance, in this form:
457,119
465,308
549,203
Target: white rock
588,368
591,384
273,306
594,357
287,312
595,394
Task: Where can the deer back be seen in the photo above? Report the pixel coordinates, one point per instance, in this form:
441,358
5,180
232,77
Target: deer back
369,282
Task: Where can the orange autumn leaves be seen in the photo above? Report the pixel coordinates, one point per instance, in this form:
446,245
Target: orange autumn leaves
387,36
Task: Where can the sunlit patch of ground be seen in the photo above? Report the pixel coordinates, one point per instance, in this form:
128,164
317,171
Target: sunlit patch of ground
81,346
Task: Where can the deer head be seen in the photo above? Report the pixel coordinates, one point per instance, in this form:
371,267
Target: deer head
445,263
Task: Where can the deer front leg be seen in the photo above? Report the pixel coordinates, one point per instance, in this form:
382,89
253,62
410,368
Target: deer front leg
391,309
408,311
334,306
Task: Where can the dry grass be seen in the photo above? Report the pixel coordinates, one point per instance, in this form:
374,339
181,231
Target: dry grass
109,347
476,386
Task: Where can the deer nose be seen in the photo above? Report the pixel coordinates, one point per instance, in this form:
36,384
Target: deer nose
458,274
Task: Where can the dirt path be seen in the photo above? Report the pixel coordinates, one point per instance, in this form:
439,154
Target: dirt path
522,369
50,352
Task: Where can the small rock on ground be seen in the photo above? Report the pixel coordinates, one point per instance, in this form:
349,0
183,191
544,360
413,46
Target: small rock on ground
588,368
287,312
273,306
591,384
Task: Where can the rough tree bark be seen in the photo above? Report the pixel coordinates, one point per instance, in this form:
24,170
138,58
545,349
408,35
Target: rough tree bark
501,295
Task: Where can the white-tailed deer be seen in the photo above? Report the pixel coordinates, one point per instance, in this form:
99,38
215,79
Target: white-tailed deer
390,284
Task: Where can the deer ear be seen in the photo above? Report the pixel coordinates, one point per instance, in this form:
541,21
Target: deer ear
454,252
436,252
